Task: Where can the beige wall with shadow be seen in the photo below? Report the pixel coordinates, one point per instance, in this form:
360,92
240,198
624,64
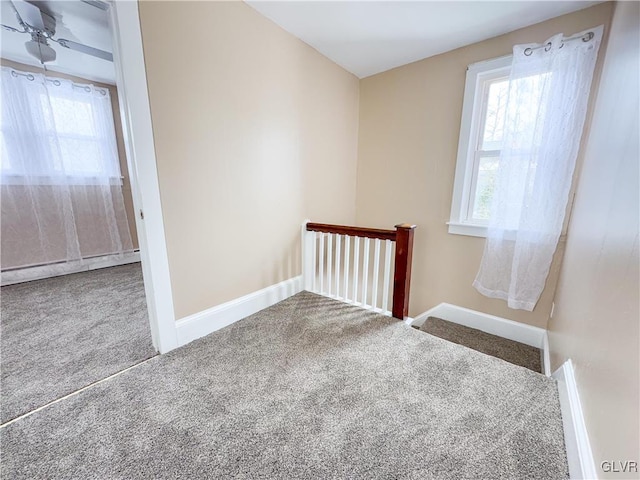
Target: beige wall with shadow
596,320
254,131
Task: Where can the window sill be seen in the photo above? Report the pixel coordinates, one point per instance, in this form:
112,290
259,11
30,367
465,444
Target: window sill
475,230
467,229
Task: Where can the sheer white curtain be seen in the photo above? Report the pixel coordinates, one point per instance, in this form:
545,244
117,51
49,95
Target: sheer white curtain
61,181
549,89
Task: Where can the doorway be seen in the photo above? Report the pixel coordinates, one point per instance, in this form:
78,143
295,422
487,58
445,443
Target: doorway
74,306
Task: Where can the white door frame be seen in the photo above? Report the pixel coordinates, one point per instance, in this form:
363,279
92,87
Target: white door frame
128,60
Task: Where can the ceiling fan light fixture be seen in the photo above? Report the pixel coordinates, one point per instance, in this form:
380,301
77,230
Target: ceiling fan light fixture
41,51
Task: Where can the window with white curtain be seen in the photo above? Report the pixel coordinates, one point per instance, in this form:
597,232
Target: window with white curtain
481,137
61,189
536,148
73,123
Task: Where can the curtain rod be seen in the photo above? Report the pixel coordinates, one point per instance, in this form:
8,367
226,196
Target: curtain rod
31,77
585,38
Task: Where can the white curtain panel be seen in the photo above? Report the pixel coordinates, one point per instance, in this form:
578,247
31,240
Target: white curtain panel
61,181
549,89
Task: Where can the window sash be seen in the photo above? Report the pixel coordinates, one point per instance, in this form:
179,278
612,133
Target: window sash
479,155
477,137
80,151
478,80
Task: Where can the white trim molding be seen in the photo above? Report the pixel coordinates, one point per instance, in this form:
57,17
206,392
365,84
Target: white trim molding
519,332
467,229
546,358
11,277
576,439
133,95
207,321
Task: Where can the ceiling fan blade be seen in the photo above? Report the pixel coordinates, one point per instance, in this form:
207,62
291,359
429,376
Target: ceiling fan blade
29,14
79,47
11,29
98,4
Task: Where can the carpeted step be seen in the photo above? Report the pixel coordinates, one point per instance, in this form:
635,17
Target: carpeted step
508,350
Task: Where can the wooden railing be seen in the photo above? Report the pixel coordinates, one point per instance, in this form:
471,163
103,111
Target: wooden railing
329,269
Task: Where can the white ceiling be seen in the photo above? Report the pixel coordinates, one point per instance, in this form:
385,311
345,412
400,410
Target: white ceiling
75,20
364,37
369,37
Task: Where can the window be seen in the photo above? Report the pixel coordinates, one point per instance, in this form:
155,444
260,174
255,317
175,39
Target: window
483,115
61,134
481,139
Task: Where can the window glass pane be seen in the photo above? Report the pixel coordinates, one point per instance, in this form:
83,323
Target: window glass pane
495,114
53,162
81,157
485,184
528,94
5,164
5,126
72,116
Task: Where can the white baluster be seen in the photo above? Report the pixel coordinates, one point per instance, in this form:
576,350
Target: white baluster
306,251
312,259
356,261
338,239
329,262
387,270
347,241
365,271
321,262
376,273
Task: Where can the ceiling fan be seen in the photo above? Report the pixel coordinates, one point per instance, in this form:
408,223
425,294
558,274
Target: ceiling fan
42,27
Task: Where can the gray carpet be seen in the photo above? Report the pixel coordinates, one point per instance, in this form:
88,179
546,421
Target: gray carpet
64,333
508,350
308,388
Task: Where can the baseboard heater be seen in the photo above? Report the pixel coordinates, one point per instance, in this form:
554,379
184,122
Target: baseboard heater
39,272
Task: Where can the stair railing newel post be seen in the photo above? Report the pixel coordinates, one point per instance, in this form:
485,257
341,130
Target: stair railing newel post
402,270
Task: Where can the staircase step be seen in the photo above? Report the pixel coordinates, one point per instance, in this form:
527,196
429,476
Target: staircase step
508,350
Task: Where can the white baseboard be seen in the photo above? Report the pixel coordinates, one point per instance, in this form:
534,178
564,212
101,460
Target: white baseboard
519,332
203,323
29,274
576,439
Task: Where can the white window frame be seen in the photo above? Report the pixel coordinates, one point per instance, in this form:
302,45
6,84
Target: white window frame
470,126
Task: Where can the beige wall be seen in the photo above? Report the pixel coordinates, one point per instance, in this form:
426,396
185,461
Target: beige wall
408,139
596,317
20,231
254,132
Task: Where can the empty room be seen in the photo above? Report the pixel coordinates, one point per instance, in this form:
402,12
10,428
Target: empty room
273,239
73,302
